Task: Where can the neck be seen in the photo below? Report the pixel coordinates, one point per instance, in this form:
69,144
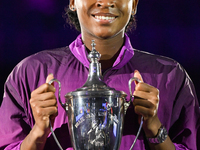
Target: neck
106,47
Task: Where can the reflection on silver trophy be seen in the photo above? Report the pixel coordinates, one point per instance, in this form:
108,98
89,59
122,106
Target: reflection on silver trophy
95,111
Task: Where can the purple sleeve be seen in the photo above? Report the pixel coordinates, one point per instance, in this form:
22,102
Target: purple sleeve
15,112
16,119
184,119
14,124
14,146
198,134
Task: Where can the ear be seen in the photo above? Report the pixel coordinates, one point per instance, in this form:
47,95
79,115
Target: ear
137,75
72,5
135,3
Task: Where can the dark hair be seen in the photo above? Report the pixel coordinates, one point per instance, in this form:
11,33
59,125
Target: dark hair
71,18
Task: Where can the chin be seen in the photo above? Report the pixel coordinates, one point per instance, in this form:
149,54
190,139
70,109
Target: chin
105,35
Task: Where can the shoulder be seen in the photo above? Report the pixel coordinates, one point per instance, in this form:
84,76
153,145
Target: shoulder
39,65
47,56
46,59
159,70
157,63
146,56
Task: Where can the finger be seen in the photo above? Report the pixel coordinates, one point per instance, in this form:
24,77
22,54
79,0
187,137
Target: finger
144,103
43,88
49,77
145,87
46,112
44,96
138,75
153,97
43,104
145,112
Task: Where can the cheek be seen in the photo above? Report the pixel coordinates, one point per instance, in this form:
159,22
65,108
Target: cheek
126,7
82,10
85,22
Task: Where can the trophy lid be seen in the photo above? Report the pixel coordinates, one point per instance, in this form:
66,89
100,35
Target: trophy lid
94,85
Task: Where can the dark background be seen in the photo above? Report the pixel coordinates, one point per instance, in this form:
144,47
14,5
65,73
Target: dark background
165,27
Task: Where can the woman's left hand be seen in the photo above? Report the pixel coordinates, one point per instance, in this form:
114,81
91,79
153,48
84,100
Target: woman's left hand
146,102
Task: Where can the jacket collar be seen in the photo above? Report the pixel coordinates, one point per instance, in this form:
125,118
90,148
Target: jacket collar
77,47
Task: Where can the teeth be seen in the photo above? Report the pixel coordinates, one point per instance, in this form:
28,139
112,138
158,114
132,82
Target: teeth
104,17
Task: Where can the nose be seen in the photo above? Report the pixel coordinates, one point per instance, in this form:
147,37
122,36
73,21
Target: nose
105,3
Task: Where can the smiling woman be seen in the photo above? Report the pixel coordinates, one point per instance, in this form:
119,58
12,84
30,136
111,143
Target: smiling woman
71,18
89,13
165,97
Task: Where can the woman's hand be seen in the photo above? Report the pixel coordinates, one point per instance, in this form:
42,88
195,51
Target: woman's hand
44,106
146,102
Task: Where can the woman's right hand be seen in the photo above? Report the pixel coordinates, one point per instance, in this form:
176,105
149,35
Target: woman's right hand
44,106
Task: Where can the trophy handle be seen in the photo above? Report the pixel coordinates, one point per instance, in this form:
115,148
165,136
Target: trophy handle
129,85
59,84
63,105
131,97
126,104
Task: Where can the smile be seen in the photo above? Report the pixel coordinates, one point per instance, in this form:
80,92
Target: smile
104,18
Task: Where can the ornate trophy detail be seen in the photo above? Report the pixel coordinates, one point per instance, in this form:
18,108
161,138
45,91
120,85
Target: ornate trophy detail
95,111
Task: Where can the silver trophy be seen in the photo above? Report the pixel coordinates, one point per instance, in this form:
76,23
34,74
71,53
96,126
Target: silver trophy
95,111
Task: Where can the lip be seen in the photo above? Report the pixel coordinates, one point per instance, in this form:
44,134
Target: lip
104,18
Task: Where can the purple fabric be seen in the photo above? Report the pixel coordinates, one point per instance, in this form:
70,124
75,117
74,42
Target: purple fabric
178,108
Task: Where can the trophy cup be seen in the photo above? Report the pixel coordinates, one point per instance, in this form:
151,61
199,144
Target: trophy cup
95,111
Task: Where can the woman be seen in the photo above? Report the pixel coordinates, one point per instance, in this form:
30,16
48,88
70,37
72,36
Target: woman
165,98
